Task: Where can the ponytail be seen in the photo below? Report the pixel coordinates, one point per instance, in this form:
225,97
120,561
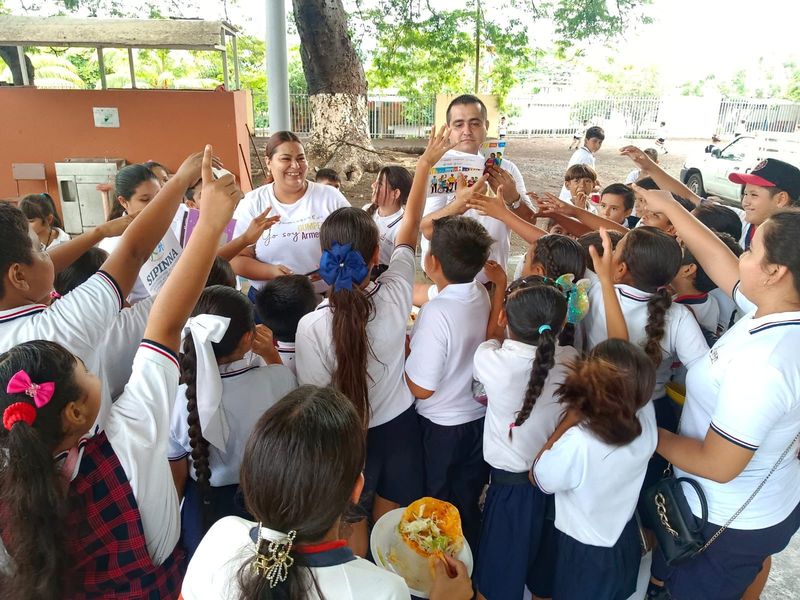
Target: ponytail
542,363
657,308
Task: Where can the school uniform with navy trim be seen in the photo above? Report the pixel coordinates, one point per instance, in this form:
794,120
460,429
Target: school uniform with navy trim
514,510
78,321
123,529
729,313
446,334
286,350
388,226
212,572
746,389
120,344
249,388
394,467
596,487
705,309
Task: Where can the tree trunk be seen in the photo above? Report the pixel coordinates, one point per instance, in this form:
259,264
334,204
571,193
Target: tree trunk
337,90
10,55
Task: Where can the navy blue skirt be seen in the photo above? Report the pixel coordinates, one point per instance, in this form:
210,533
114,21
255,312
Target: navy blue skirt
584,571
225,501
513,516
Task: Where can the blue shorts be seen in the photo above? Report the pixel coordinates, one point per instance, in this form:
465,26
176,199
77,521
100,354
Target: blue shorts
513,516
584,571
730,564
226,501
394,469
455,470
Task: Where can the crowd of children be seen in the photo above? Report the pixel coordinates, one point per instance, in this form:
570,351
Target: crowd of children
210,443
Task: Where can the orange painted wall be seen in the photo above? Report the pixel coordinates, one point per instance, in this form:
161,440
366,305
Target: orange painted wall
47,126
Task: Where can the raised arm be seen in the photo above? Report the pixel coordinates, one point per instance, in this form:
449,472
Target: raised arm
497,275
603,266
497,208
177,298
150,225
67,253
457,207
254,231
438,144
552,205
664,180
719,263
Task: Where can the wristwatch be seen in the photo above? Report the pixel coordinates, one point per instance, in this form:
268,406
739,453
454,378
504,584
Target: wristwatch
515,205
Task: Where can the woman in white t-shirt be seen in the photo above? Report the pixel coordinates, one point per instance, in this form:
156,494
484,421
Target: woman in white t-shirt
742,412
292,244
389,195
301,469
41,213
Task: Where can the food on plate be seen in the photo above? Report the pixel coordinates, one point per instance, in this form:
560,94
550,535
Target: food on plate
430,527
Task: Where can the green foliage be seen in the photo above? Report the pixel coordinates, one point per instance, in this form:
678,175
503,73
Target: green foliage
625,80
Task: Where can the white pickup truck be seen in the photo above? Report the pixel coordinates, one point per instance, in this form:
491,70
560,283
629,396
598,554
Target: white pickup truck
707,174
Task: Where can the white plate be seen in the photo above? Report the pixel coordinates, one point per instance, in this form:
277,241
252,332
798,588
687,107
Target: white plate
385,537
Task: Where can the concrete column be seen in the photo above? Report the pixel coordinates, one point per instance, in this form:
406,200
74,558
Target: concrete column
277,67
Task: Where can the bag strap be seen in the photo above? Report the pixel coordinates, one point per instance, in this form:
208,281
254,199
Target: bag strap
774,468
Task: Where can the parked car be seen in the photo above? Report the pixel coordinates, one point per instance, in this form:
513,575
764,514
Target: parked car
707,174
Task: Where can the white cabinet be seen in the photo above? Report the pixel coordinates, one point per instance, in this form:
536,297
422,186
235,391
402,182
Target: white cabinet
81,202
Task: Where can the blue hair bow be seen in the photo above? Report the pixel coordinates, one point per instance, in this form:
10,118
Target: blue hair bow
342,267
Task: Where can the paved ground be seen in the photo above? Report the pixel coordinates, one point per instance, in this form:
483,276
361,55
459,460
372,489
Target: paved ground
542,162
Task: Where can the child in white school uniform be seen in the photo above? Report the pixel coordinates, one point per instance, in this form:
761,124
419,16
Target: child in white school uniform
302,468
447,331
595,464
520,376
280,304
79,320
389,195
45,222
355,341
225,387
101,520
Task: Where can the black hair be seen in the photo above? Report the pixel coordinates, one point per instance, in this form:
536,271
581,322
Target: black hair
592,238
33,498
15,242
299,470
719,218
41,206
329,174
780,241
151,164
283,301
595,132
399,179
530,304
648,183
653,259
620,189
461,245
702,281
226,302
687,204
353,308
274,142
221,273
467,99
80,271
608,388
128,179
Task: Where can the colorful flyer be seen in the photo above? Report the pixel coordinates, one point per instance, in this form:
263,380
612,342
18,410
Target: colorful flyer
445,173
493,151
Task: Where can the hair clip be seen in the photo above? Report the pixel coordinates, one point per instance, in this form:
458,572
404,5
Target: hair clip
40,393
544,328
273,564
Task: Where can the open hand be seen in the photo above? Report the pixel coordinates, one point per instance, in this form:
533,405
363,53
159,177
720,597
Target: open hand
438,144
494,206
552,204
258,226
499,177
464,192
641,159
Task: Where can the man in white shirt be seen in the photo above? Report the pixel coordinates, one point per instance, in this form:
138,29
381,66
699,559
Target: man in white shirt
467,118
585,154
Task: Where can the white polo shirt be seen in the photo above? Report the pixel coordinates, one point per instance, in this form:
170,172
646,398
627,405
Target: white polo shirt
294,240
138,431
122,342
78,321
504,370
596,484
315,356
581,156
747,390
286,351
498,230
249,389
682,339
61,237
728,311
705,309
446,334
387,231
212,572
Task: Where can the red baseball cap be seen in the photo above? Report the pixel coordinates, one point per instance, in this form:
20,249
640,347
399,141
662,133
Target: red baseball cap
772,173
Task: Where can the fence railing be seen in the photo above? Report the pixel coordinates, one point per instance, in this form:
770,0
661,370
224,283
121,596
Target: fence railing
552,116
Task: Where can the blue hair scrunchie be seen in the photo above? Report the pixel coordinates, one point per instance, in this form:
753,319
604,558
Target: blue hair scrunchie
342,267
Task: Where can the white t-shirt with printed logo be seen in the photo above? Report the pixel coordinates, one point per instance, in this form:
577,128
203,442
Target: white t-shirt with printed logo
294,240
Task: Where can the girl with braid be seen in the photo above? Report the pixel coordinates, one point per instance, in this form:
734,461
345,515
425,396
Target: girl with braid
225,388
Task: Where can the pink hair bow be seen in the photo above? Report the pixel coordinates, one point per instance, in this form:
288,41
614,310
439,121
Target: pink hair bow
21,383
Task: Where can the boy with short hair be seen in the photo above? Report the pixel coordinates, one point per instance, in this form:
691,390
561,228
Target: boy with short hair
280,305
616,204
579,181
446,334
585,154
329,177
